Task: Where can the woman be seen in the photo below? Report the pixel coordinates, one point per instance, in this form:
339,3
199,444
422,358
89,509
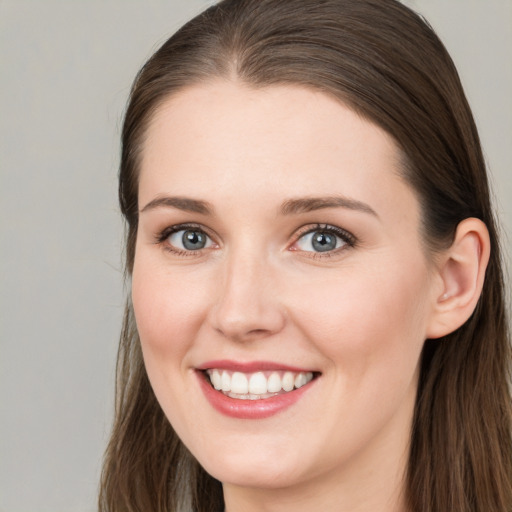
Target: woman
317,316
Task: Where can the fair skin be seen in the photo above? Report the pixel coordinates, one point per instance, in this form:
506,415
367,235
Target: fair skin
353,309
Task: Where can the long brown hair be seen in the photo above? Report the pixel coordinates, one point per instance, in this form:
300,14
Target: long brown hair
385,62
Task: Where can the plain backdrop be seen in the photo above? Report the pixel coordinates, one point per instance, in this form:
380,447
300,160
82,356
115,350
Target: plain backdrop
65,72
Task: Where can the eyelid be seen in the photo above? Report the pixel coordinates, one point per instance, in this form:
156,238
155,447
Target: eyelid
162,236
348,238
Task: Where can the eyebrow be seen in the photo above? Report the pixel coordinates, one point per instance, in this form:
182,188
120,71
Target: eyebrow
181,203
289,207
309,204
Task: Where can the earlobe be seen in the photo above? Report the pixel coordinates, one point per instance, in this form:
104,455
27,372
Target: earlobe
461,270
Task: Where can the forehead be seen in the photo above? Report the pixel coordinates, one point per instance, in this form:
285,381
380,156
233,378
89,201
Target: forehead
227,139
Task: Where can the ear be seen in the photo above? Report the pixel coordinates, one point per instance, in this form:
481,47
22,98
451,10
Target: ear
461,273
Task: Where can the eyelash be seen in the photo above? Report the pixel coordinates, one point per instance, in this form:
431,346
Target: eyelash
167,232
347,238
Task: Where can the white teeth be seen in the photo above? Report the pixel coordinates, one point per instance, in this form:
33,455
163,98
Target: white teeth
274,383
288,381
257,385
216,379
239,384
300,380
225,382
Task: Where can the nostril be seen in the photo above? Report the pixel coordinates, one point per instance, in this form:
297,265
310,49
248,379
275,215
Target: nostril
258,332
241,335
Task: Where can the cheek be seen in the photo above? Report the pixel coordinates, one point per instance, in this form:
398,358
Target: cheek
370,327
368,317
168,309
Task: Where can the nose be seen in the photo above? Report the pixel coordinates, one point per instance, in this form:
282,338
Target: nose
247,305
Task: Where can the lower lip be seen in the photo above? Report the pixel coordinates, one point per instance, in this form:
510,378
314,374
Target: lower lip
250,409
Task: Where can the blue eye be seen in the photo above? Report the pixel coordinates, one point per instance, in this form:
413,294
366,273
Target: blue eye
189,240
323,239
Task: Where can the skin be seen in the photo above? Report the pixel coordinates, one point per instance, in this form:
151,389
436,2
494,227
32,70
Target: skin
358,315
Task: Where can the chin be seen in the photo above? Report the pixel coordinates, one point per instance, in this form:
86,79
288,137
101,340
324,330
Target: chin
249,476
243,469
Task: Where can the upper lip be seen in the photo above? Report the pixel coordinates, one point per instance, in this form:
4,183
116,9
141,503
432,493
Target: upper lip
249,367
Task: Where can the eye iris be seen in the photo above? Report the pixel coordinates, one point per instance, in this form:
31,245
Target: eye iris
193,240
323,241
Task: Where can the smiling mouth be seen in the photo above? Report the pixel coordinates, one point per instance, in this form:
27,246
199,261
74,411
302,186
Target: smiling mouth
257,385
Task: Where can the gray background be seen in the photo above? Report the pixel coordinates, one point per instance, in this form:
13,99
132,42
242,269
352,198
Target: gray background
65,71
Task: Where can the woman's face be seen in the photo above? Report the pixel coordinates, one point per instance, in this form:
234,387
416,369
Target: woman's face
279,249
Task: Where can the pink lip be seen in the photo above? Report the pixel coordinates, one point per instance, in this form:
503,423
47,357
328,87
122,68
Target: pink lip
249,409
250,367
